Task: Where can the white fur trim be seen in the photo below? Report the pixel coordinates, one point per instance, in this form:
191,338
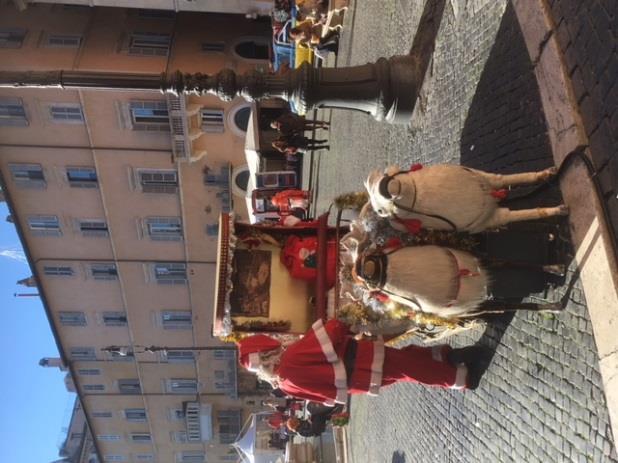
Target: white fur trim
254,362
325,342
341,379
341,382
376,367
436,353
460,377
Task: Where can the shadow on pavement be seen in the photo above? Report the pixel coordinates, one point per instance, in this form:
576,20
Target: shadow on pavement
426,34
505,132
398,457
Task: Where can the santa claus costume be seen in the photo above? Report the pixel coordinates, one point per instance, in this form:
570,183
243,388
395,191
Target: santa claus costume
327,364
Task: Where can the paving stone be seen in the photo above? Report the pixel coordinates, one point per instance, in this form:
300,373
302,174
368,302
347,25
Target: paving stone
481,108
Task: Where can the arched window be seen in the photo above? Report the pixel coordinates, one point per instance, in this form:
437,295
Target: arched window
241,118
241,180
251,49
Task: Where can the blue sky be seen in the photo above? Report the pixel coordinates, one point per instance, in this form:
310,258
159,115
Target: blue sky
35,403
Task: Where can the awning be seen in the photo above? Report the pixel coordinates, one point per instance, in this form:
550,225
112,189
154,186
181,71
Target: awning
252,156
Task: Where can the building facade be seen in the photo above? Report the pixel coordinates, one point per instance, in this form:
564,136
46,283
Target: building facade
116,197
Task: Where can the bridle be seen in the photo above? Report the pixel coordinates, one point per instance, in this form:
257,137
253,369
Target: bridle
383,190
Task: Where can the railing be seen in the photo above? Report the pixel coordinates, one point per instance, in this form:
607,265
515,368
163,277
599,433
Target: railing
179,127
193,421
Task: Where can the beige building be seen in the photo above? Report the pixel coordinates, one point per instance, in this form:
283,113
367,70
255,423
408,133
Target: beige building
247,7
116,197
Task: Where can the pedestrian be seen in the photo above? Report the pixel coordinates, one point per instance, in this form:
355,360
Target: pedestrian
292,124
295,144
291,199
327,364
307,427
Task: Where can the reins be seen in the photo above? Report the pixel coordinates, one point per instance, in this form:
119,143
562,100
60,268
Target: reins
383,189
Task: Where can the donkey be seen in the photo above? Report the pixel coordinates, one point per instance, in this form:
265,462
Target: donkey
451,197
426,277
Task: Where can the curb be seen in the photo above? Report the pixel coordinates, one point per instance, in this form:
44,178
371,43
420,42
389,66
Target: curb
592,238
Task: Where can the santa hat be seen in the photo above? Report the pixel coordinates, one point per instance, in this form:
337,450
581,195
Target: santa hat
249,349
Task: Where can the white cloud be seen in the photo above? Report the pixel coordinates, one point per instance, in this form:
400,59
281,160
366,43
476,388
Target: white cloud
15,254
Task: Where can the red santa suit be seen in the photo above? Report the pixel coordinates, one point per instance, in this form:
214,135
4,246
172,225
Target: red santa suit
314,368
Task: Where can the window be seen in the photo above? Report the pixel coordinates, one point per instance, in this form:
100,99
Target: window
182,386
149,44
213,47
114,458
164,228
149,116
118,357
176,319
77,435
179,437
104,271
66,113
12,37
229,425
135,415
241,118
225,354
219,374
64,41
141,437
101,414
170,273
83,353
223,386
93,227
89,371
158,181
179,356
212,229
93,387
108,437
82,177
12,112
44,225
72,318
129,386
143,457
58,270
28,175
252,50
114,318
212,120
176,414
191,456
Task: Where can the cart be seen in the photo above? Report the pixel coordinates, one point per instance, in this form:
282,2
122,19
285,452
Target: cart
272,278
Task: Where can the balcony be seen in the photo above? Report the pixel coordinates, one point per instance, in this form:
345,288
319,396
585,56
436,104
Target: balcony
198,419
181,131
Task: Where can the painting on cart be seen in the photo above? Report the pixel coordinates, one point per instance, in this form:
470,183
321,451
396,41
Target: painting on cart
250,296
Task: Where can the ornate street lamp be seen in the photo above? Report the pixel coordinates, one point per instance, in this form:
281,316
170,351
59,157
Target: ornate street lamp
387,89
125,351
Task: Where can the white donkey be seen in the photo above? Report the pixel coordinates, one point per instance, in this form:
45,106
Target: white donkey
451,197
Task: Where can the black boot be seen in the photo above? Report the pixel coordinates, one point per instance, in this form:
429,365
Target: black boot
464,355
474,357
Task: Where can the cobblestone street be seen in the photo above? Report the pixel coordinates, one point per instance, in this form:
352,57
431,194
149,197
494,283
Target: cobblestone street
542,397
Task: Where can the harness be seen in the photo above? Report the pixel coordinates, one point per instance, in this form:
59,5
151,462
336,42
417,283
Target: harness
371,268
383,190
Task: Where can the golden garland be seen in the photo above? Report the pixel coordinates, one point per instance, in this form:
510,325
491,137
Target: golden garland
355,200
